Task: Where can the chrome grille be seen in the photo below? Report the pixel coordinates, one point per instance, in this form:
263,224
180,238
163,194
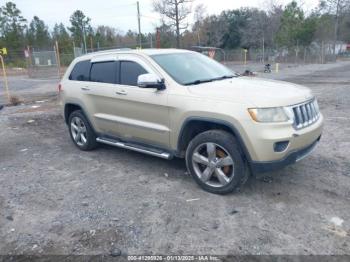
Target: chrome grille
305,114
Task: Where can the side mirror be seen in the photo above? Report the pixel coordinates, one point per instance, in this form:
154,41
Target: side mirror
150,81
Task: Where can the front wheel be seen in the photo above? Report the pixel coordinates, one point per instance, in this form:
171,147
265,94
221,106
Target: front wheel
215,161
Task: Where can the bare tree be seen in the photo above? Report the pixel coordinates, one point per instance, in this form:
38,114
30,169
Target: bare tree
199,15
176,12
337,9
200,12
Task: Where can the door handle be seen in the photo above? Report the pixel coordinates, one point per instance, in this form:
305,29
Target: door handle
121,92
85,88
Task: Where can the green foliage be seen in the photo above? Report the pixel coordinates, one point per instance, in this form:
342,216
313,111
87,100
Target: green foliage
305,34
16,62
236,21
12,28
248,28
38,34
61,35
105,36
80,25
167,36
291,25
345,29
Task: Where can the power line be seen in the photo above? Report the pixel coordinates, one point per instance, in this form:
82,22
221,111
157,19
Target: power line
150,17
119,6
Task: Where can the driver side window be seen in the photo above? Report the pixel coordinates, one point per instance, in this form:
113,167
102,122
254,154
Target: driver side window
129,72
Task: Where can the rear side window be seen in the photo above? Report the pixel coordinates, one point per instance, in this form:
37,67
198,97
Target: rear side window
104,72
129,72
80,71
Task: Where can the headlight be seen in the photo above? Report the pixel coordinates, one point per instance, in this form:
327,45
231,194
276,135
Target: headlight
272,114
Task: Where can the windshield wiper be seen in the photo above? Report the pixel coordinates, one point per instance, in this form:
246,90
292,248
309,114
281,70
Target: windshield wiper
197,82
223,77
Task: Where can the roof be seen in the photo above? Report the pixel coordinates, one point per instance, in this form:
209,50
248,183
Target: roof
148,52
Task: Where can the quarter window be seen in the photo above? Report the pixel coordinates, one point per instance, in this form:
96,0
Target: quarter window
103,72
129,72
80,71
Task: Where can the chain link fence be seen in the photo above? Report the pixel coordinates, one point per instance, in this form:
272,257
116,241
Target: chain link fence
296,55
34,72
43,64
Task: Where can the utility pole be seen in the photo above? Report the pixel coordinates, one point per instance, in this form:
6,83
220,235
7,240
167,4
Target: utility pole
84,39
75,55
139,23
336,24
5,78
177,24
58,59
91,44
151,40
158,38
263,49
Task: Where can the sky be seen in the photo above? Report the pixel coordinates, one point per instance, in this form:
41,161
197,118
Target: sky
122,14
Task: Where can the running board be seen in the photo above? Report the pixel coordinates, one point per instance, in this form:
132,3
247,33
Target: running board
134,147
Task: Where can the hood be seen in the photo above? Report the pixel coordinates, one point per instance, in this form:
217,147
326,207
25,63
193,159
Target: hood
259,92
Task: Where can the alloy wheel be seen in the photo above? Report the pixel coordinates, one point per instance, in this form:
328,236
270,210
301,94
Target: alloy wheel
78,130
213,164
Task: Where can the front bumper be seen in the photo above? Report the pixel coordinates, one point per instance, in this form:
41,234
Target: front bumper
261,139
291,158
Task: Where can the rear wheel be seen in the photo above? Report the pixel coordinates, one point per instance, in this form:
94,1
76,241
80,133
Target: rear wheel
81,132
215,161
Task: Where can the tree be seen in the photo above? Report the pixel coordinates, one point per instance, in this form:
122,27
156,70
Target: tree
80,27
105,36
337,8
306,32
168,36
213,28
344,27
12,27
272,24
61,35
175,13
38,34
254,32
324,29
199,15
295,30
199,12
291,24
236,21
130,39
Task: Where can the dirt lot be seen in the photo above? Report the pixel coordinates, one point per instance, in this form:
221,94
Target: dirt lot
55,199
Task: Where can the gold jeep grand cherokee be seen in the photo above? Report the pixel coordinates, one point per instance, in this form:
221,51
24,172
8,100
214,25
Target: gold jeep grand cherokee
176,103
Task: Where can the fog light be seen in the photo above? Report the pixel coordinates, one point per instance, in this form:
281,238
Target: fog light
280,146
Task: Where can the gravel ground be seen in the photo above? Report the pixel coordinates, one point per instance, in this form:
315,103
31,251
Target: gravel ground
28,89
55,199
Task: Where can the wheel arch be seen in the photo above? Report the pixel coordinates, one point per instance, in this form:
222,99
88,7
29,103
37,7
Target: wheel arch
70,108
193,126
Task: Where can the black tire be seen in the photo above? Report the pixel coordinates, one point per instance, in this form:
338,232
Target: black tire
226,141
90,133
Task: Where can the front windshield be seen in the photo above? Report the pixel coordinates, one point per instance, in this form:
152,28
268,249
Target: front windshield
192,68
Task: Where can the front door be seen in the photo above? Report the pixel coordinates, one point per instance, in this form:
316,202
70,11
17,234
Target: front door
142,114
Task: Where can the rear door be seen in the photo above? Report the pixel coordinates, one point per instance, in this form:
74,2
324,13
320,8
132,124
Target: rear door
100,92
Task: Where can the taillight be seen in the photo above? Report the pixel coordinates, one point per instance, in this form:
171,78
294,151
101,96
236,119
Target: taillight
59,87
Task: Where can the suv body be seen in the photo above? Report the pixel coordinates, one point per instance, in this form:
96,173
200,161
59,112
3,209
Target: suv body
139,99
